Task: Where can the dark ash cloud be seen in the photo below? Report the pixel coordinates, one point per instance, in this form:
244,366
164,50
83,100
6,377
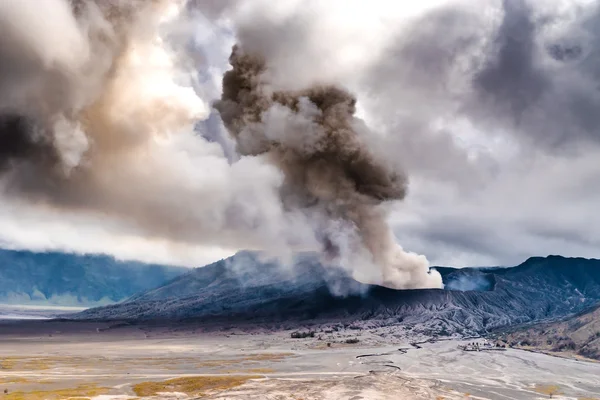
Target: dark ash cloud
310,134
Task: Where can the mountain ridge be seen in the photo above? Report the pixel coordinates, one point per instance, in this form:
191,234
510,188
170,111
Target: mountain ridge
574,335
58,278
246,289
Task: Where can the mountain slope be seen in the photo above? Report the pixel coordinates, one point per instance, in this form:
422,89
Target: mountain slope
69,279
578,334
243,288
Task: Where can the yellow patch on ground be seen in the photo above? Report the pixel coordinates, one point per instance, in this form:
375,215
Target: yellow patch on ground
43,363
25,363
217,363
8,363
193,386
268,356
30,364
549,390
12,379
82,392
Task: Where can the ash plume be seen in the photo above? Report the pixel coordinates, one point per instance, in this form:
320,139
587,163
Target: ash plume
20,141
313,136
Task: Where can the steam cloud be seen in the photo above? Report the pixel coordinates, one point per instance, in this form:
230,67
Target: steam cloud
98,111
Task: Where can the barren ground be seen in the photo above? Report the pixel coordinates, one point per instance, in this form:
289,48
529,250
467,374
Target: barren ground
53,360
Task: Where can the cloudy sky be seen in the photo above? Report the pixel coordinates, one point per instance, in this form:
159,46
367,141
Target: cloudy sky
490,107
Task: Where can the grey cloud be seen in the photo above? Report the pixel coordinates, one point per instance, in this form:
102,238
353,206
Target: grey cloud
531,75
510,80
468,236
417,87
538,206
544,87
213,8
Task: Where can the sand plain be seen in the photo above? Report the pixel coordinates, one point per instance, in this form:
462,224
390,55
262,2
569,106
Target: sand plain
62,360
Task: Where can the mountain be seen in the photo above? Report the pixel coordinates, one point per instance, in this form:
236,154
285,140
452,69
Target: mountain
576,335
75,280
246,289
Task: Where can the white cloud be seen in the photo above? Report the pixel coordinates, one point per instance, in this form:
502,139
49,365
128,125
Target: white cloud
37,228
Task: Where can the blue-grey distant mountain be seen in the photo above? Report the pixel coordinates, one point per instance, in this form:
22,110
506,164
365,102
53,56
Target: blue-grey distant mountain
69,279
244,289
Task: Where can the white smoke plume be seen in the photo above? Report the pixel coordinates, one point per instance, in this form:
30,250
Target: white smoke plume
99,102
98,114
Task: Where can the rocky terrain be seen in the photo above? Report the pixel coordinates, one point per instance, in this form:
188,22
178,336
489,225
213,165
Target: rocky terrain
244,289
75,280
576,335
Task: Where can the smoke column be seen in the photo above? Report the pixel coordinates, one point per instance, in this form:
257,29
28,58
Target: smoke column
313,136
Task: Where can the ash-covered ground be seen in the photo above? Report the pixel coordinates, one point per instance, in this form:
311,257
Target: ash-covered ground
54,359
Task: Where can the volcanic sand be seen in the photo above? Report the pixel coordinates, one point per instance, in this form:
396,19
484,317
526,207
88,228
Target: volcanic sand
61,360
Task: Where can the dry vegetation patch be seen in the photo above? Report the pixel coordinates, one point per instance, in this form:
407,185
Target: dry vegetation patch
195,386
44,363
26,363
82,392
13,379
548,390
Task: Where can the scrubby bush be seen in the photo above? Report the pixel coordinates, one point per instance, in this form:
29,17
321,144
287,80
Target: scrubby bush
566,345
303,335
